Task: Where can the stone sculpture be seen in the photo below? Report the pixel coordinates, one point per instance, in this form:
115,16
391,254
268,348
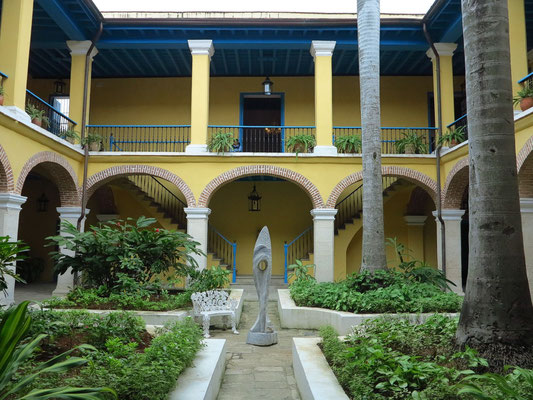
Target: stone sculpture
262,332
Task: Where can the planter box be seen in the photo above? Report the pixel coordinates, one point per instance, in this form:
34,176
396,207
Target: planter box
294,317
202,380
314,377
159,318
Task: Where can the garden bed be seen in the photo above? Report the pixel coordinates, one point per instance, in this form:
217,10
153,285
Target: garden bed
295,317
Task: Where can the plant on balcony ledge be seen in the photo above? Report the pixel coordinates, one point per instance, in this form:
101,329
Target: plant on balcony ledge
411,143
348,144
37,116
301,143
221,142
524,98
453,136
94,141
2,91
70,136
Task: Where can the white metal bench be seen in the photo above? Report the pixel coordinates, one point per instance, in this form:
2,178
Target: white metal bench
212,303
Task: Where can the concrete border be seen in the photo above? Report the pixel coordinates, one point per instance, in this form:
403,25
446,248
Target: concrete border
314,377
159,318
294,317
202,380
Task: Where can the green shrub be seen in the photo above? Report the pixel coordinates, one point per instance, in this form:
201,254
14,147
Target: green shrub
10,252
209,279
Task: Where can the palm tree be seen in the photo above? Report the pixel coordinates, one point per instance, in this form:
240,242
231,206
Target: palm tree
497,309
368,32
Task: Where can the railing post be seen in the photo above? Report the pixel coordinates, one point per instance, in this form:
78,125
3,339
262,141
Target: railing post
111,142
285,248
234,245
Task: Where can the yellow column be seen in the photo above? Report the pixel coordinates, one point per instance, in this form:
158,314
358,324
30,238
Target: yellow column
322,52
201,51
445,51
78,52
15,35
415,235
517,42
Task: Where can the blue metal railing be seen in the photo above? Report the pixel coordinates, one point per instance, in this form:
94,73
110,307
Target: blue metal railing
54,120
143,138
298,248
224,249
526,80
261,138
390,135
460,123
2,75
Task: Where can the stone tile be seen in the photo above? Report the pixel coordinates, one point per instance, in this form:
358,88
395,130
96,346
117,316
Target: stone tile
269,369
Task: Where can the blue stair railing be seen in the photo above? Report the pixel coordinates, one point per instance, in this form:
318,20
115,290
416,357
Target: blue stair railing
223,249
58,123
298,248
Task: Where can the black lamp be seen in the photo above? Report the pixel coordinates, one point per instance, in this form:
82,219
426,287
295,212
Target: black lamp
59,87
42,203
267,86
254,201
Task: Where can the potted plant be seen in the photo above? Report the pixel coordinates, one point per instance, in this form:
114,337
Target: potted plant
411,143
70,135
221,142
93,140
301,143
2,91
524,98
37,116
453,136
348,144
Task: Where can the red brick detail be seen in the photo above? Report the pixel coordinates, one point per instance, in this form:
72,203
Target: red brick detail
60,171
411,175
417,202
7,183
456,184
523,154
269,170
109,174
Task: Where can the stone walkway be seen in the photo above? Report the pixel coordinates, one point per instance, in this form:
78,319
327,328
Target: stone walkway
254,372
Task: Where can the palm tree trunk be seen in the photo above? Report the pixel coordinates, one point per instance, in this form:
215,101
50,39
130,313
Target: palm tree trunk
368,32
497,309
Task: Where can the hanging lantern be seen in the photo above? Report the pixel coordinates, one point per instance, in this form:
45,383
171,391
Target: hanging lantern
267,86
42,203
59,87
254,201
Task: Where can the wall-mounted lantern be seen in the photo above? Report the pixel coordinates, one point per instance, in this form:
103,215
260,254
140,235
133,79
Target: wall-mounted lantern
267,86
254,201
59,87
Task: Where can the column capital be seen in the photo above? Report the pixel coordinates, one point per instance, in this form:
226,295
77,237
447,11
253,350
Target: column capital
197,212
71,212
526,205
204,47
415,220
327,214
444,49
450,215
10,201
81,47
322,48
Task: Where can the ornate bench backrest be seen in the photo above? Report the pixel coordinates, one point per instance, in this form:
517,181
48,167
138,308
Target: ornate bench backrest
212,300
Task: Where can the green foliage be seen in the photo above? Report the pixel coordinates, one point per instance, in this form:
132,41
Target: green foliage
92,138
349,144
70,133
115,255
457,134
221,142
517,385
9,254
37,114
2,90
525,92
412,139
14,325
301,271
212,278
30,268
301,143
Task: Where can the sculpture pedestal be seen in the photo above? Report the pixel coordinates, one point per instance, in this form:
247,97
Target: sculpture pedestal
262,338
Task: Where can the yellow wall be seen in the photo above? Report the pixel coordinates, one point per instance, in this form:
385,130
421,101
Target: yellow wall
284,209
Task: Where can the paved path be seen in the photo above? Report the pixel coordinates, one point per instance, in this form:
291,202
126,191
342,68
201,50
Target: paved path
254,372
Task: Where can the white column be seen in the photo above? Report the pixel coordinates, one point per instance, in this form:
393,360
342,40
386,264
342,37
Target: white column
324,243
452,225
197,222
526,208
10,206
65,282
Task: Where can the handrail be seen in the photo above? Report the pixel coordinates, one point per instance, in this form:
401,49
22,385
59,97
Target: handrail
220,234
299,236
51,107
233,252
286,250
340,202
389,127
138,126
525,78
456,121
262,126
3,75
172,194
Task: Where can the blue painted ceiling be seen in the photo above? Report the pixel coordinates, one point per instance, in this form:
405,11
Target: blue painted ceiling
243,48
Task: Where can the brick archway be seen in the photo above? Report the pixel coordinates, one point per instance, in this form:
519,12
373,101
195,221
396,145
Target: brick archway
269,170
523,154
62,174
411,175
7,183
456,183
109,174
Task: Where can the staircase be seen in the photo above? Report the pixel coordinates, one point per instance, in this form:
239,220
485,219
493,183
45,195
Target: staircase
221,252
246,282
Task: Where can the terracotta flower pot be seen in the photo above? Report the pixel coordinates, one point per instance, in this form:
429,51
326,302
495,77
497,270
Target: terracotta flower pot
37,121
94,146
299,148
453,143
1,99
526,103
409,149
71,139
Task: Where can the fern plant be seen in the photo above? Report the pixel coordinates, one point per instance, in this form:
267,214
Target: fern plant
411,142
221,142
301,143
36,114
349,144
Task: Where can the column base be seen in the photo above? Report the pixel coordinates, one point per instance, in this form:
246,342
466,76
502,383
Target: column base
18,114
196,149
325,150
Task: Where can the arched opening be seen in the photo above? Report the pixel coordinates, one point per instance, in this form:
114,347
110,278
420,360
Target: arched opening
284,208
525,182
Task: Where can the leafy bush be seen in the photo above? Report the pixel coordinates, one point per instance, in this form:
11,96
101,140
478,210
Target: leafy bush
517,385
221,142
349,144
301,143
9,254
300,271
117,255
413,139
209,279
